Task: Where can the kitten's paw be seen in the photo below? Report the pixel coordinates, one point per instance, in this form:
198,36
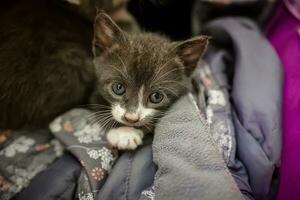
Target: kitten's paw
125,137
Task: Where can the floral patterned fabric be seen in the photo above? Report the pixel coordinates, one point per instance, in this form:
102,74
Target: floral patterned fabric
23,155
86,141
213,102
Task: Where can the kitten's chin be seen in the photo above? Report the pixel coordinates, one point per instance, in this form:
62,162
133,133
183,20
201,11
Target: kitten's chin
137,124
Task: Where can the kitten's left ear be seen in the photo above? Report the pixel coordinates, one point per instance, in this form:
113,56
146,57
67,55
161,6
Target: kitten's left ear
106,33
190,51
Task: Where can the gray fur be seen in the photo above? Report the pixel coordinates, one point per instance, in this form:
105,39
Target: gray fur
143,59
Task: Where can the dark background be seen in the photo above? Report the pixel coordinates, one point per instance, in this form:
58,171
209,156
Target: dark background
171,18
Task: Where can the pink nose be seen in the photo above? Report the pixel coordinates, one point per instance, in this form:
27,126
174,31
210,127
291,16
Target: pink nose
131,117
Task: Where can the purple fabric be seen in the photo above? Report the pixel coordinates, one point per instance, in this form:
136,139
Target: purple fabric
245,64
284,34
294,7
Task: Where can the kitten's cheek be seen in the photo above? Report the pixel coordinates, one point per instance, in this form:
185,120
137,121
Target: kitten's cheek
147,113
117,112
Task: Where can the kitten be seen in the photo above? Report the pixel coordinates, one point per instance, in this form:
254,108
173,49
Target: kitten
139,76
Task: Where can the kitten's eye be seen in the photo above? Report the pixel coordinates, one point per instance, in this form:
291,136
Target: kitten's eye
118,88
156,97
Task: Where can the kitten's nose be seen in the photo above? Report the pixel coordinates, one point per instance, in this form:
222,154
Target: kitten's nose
131,117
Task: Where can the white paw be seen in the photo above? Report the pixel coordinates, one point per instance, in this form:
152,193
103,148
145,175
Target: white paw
125,137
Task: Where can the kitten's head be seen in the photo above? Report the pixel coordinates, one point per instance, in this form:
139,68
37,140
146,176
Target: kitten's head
141,75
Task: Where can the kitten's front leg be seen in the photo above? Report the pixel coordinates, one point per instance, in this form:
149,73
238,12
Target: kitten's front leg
125,137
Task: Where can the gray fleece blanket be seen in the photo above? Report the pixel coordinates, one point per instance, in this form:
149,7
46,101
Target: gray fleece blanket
189,163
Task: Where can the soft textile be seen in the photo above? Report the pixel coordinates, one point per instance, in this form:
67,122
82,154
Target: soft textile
23,155
86,140
204,11
189,164
245,64
251,152
253,147
284,34
59,181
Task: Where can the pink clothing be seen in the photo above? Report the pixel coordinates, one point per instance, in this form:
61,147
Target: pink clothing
284,34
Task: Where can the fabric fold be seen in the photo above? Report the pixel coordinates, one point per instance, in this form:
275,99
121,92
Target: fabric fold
245,63
189,164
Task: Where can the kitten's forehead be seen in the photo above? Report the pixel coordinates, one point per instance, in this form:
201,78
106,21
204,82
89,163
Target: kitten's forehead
148,57
146,60
150,48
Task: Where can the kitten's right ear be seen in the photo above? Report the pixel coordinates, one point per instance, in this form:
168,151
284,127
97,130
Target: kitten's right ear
106,33
190,51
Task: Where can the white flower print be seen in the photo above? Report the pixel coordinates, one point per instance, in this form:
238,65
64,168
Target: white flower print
216,97
88,134
107,158
221,135
149,193
85,196
55,126
105,154
20,145
209,114
93,154
226,143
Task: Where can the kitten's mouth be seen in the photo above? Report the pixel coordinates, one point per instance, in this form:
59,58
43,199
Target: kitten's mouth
133,124
133,119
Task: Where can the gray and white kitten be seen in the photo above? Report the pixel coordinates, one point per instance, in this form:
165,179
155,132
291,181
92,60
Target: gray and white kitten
139,77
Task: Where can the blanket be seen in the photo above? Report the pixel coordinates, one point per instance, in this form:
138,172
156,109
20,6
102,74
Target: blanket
189,163
23,155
